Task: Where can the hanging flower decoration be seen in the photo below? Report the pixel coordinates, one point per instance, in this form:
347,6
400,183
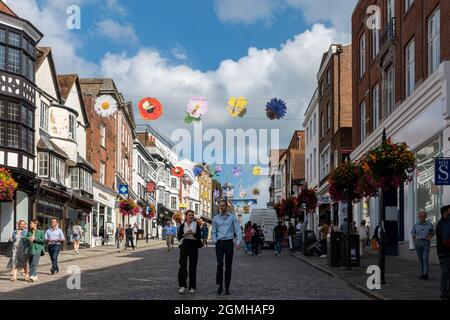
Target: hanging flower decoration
236,171
242,194
177,172
276,109
309,198
127,207
105,105
216,194
237,107
7,185
197,171
256,192
218,170
150,109
257,171
390,164
195,110
343,182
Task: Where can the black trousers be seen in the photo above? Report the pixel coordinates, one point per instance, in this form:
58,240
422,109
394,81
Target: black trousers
188,250
224,249
130,240
255,245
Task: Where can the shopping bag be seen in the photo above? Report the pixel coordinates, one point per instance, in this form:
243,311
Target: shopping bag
374,245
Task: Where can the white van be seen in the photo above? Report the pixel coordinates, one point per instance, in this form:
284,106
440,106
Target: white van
267,219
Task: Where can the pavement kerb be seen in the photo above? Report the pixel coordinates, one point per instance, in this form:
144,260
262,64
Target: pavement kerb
332,274
78,258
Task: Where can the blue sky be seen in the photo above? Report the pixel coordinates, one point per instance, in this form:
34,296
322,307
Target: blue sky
177,49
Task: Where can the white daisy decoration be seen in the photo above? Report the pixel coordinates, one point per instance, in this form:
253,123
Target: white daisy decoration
105,105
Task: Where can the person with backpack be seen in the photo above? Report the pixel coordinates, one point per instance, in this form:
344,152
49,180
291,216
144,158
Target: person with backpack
443,251
129,236
422,233
77,233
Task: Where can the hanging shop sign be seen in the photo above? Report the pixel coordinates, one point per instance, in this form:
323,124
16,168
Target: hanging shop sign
442,171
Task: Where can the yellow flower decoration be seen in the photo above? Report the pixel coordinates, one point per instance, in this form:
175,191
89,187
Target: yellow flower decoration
237,107
257,171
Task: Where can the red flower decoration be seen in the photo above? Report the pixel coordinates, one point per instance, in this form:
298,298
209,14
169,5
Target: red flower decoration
150,108
178,172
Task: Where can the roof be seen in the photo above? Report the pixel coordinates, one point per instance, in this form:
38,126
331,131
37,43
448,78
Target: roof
42,53
84,162
66,83
44,143
46,53
5,9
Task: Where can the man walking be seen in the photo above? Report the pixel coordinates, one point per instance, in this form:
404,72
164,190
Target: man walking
135,234
119,236
443,250
225,227
129,236
422,233
54,236
278,236
169,235
299,235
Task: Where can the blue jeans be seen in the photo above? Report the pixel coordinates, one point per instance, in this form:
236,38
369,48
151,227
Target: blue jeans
34,262
423,253
248,246
53,251
278,245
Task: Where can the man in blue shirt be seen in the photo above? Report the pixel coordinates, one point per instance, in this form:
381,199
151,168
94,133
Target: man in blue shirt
422,233
54,236
225,228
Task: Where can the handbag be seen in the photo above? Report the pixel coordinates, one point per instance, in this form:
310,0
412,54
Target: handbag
374,245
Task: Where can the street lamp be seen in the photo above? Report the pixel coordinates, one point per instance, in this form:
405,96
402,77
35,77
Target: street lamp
381,230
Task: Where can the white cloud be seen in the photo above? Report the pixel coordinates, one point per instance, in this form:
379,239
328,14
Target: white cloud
120,33
179,52
263,186
115,7
245,11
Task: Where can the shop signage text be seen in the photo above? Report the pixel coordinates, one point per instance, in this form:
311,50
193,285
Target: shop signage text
442,171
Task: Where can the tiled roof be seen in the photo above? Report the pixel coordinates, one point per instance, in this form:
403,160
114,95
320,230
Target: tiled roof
86,163
45,144
5,9
66,83
42,53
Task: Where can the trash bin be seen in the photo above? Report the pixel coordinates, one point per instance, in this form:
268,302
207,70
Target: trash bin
308,237
335,241
354,248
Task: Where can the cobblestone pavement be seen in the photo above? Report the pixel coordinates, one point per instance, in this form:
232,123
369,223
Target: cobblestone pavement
151,274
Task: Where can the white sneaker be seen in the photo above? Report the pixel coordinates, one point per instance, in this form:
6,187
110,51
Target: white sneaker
192,291
323,256
182,291
33,279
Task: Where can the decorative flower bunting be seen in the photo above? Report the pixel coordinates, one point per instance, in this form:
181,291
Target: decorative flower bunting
150,108
243,194
237,107
236,171
105,105
195,110
197,171
256,192
216,194
178,172
276,109
218,170
257,171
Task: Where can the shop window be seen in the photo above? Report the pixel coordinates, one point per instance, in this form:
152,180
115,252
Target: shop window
43,164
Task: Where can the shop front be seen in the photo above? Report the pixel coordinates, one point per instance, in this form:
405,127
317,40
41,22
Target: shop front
104,220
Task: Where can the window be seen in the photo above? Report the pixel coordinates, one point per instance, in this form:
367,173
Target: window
14,39
44,116
390,91
173,183
102,135
320,89
434,38
2,35
322,129
390,10
336,159
329,115
85,181
362,128
325,164
102,172
376,106
278,181
13,135
375,42
310,130
315,164
308,172
315,125
2,57
408,4
72,127
310,166
410,68
362,55
13,60
75,178
329,76
42,164
57,168
13,111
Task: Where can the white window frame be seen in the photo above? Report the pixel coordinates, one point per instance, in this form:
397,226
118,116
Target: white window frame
376,106
390,90
102,172
362,55
408,4
375,42
102,135
43,164
325,163
390,9
362,121
434,41
45,109
329,115
72,127
410,67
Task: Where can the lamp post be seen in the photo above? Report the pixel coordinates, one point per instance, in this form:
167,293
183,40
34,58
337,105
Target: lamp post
348,247
382,233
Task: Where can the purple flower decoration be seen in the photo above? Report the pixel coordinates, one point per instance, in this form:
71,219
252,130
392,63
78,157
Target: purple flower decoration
218,170
216,194
276,109
236,171
197,171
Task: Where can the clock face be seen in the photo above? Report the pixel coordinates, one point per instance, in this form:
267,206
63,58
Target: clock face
150,109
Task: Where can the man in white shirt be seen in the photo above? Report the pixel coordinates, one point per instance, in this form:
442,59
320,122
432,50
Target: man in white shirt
135,234
299,235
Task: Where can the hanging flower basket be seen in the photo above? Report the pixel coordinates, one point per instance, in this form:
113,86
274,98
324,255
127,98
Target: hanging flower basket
390,165
343,182
151,211
309,198
7,185
127,207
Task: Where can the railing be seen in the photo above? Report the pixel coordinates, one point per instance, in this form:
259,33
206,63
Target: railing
388,33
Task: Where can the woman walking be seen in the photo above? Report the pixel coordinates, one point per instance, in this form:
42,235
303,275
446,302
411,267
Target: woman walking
255,240
205,234
248,237
36,240
189,235
77,233
19,255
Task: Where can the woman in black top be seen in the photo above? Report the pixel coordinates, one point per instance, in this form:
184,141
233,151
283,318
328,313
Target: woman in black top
190,237
255,240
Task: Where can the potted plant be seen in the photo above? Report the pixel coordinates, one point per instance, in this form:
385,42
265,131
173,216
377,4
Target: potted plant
8,185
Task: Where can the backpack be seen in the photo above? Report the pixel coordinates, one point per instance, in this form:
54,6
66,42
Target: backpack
76,230
446,234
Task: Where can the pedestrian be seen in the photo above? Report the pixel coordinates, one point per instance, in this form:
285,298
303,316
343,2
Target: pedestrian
262,240
19,251
77,233
422,233
343,228
332,227
168,230
248,237
443,251
205,234
129,236
135,235
55,237
36,240
323,235
364,235
278,237
119,236
225,227
299,235
190,237
354,228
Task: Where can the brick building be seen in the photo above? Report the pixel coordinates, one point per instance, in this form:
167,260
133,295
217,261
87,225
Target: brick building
335,119
400,83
